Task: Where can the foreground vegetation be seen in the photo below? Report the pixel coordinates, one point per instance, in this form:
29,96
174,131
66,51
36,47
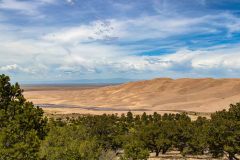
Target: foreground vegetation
25,134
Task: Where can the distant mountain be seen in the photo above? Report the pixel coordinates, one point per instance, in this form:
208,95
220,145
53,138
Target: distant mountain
82,81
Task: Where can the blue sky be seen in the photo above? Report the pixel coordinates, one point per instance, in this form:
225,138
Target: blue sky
65,40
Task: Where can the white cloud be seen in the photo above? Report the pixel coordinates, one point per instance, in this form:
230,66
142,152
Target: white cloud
166,26
71,2
25,7
9,67
145,27
233,24
98,30
15,68
223,59
21,6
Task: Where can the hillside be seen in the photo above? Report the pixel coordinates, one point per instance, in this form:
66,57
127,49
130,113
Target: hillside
199,95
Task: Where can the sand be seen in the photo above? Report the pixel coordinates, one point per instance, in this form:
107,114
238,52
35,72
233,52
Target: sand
163,94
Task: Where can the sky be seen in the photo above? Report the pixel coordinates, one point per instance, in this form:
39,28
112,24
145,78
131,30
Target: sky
70,40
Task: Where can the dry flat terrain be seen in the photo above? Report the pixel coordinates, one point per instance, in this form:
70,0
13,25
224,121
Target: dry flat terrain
163,95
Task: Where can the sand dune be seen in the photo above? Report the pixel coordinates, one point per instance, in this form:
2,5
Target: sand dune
198,95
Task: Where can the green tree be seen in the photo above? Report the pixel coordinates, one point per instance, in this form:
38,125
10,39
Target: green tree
199,138
166,136
149,134
183,132
22,125
224,132
135,150
69,142
157,137
144,118
130,118
156,117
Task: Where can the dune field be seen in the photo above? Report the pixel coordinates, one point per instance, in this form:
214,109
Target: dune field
163,95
